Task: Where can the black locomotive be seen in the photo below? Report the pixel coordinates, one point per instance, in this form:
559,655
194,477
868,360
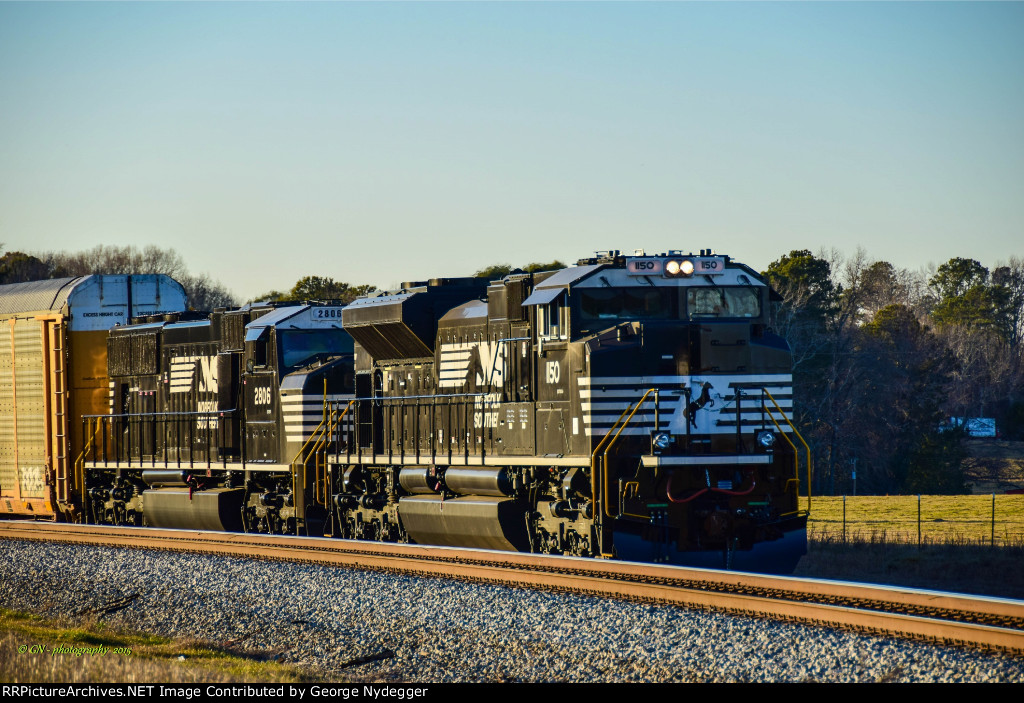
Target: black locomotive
628,406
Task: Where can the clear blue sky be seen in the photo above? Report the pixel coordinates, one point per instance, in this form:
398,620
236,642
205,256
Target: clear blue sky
380,142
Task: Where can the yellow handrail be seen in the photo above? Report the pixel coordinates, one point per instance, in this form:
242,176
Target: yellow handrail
296,465
796,458
593,457
333,420
604,457
319,438
80,460
796,466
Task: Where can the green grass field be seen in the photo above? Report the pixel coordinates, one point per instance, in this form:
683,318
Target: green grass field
952,520
73,655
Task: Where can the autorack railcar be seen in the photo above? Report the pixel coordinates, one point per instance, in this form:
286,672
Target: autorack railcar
53,370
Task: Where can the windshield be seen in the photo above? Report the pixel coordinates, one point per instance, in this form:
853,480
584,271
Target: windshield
302,346
723,302
624,304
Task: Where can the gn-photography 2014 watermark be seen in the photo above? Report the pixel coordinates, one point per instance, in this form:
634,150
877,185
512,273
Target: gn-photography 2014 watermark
326,691
74,650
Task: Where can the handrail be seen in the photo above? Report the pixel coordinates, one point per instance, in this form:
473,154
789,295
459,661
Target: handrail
161,415
295,465
593,456
334,420
320,438
321,458
465,404
80,461
155,421
604,457
796,466
309,439
796,457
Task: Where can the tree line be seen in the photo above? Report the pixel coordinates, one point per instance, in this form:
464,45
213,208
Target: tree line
885,357
203,292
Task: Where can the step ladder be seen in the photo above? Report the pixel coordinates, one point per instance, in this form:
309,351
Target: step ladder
59,410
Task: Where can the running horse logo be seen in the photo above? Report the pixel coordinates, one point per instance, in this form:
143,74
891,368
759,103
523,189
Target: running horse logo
703,399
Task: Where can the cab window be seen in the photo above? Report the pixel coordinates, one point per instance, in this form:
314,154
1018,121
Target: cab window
553,319
615,305
256,340
727,301
301,347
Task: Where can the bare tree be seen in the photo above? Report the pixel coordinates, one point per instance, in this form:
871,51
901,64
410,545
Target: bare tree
109,259
206,294
203,292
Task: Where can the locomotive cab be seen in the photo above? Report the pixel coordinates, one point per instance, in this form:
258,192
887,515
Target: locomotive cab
682,375
292,356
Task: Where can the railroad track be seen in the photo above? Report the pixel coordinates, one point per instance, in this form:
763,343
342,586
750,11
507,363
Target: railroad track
991,624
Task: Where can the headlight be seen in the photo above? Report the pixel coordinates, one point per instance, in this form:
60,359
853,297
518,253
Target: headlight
766,439
661,440
678,267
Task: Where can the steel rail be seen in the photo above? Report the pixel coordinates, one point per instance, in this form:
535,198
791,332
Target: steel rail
994,624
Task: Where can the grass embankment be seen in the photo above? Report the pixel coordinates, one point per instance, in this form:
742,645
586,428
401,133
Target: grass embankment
957,552
34,650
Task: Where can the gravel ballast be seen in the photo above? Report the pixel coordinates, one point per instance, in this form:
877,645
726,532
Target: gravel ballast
381,627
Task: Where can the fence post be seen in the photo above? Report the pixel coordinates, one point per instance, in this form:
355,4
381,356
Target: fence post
993,520
918,520
844,519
